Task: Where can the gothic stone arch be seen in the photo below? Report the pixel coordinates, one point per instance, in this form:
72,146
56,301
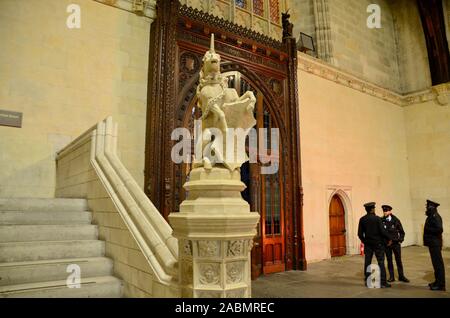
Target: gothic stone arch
345,195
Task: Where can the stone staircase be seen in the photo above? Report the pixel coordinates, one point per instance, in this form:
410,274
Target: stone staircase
40,238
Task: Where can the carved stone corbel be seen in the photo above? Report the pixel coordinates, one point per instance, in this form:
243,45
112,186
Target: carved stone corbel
442,94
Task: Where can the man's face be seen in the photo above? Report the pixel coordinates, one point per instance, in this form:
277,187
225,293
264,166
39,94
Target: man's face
429,209
387,213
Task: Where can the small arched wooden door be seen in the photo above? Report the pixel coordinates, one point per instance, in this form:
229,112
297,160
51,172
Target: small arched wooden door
337,227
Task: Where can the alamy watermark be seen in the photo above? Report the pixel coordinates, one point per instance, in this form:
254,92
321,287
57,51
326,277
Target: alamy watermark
374,279
210,143
374,19
74,279
74,19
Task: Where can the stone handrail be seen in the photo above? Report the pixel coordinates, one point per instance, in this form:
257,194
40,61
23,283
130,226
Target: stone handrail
151,232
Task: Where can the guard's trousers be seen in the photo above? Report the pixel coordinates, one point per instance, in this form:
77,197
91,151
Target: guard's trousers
397,250
438,265
379,251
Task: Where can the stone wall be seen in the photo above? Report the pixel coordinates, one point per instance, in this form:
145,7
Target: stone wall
428,138
369,53
390,57
302,16
353,144
365,143
64,80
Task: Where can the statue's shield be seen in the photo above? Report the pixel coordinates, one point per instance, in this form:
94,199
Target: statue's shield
240,119
240,114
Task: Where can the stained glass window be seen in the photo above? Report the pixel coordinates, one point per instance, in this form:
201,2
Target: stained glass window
275,11
258,7
241,4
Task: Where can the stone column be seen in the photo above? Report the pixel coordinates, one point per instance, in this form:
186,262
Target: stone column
323,31
215,229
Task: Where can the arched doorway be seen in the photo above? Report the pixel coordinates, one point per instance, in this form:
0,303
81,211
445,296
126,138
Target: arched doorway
180,37
265,192
337,227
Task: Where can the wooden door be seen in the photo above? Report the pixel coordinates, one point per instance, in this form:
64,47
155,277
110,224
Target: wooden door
272,204
337,227
265,193
272,225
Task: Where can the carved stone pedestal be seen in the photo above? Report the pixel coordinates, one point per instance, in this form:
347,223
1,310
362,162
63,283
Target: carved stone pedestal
215,229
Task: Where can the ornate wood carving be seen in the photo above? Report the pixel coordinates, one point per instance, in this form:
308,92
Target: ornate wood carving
190,64
295,219
161,102
180,36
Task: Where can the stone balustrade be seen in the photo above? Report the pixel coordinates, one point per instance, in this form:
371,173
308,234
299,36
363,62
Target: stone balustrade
140,241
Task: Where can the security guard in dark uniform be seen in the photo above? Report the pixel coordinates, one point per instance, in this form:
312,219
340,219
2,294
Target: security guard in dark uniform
432,237
395,229
372,233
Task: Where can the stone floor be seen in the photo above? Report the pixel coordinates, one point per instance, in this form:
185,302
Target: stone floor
342,278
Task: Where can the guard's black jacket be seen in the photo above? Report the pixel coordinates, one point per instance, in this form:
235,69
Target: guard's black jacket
432,233
371,230
394,228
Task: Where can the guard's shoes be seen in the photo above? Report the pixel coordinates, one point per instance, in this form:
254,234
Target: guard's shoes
391,279
404,279
435,287
386,285
432,284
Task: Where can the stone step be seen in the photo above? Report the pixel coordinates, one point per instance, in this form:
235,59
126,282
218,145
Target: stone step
36,218
52,270
35,204
94,287
24,233
44,250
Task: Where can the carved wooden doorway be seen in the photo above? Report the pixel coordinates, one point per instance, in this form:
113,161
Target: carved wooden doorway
179,38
